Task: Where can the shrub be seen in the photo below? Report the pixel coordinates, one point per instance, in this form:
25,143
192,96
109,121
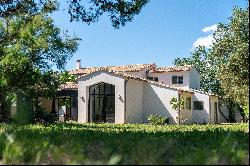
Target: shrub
158,119
43,116
107,144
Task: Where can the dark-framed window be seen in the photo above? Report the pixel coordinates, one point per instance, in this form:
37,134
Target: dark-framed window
102,103
198,105
153,78
102,89
177,79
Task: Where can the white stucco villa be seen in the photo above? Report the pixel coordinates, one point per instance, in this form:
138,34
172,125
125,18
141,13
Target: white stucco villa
130,93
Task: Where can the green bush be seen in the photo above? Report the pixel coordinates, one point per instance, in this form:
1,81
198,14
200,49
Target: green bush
43,116
124,144
158,119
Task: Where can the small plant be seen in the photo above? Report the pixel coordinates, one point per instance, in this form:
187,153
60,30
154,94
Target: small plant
43,116
158,119
175,103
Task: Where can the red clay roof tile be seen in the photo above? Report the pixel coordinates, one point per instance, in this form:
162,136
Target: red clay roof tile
124,68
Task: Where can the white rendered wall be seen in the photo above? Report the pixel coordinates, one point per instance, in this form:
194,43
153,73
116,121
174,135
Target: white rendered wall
142,74
166,78
201,116
194,79
191,78
142,99
238,117
134,101
83,94
225,111
157,101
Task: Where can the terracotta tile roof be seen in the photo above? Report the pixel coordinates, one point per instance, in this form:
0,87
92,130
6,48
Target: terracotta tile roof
69,86
153,82
124,68
172,68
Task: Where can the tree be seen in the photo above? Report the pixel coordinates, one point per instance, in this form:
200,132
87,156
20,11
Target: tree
206,66
232,48
119,11
224,69
30,45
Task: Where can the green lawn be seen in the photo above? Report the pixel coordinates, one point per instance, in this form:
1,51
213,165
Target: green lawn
124,144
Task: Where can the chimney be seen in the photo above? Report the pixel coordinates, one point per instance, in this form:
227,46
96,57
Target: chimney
78,64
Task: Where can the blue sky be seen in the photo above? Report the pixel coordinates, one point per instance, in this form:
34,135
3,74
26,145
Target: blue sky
163,31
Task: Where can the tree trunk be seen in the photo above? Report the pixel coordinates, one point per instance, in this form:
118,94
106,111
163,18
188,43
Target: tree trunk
4,108
231,114
24,109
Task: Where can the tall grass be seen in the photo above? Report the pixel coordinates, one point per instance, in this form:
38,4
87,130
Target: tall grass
71,143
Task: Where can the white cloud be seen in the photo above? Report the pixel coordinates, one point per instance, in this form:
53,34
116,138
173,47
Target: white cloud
204,41
211,28
207,40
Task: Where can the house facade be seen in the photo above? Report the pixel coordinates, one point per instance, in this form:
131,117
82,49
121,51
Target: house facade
130,93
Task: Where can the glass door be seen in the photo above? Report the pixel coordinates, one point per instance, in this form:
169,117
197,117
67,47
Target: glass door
102,103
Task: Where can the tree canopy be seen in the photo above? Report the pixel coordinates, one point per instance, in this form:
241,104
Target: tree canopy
207,67
224,68
226,64
31,42
30,46
119,11
231,47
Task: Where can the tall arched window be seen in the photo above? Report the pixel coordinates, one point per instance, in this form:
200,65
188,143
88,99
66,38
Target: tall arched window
102,103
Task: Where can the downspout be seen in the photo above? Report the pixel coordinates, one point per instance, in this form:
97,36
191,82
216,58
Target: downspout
125,96
147,71
210,109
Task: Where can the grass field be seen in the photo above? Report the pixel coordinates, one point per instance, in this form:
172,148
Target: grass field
70,143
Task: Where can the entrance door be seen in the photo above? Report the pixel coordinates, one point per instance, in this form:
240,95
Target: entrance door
102,103
64,106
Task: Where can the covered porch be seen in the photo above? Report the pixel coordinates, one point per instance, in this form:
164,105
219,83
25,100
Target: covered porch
198,108
64,105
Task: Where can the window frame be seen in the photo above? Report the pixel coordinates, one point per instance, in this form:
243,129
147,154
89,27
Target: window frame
174,79
195,107
180,78
153,79
177,79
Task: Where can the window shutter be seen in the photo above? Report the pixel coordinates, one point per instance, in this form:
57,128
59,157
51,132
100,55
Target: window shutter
180,80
